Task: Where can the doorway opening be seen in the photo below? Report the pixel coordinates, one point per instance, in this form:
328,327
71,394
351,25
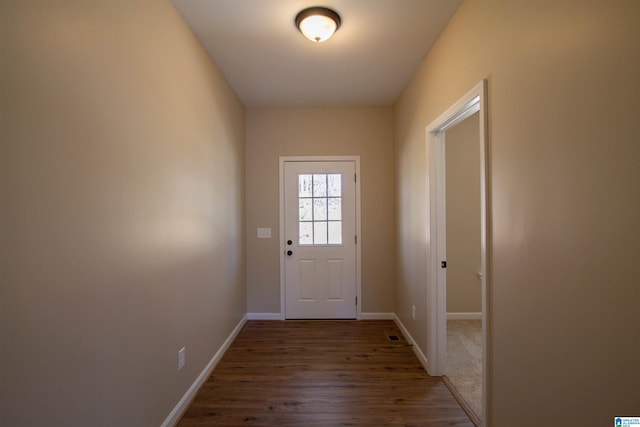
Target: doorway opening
472,105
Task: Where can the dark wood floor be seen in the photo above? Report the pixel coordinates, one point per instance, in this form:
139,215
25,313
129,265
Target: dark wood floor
322,373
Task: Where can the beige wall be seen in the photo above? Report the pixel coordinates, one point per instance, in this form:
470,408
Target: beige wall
462,154
122,153
565,167
320,131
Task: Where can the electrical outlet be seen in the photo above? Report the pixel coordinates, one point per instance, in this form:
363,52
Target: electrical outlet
413,312
181,358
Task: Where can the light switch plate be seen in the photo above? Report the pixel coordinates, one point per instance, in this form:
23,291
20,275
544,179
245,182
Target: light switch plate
264,233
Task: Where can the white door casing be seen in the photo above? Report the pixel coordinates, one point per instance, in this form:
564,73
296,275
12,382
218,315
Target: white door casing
319,257
473,101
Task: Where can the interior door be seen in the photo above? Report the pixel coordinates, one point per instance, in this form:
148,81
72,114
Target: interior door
320,239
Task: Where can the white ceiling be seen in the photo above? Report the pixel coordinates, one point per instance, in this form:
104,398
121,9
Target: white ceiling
368,61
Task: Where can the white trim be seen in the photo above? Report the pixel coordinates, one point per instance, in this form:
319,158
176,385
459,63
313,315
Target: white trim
183,404
464,316
264,316
377,316
363,316
356,160
473,101
416,348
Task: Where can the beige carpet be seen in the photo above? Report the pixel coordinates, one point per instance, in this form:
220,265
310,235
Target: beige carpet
464,360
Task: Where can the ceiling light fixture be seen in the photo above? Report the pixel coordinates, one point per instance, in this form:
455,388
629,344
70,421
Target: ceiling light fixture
317,23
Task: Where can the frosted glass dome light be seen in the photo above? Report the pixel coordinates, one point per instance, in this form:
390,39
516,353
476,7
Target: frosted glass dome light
317,23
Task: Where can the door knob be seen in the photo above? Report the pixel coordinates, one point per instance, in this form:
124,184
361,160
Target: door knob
289,253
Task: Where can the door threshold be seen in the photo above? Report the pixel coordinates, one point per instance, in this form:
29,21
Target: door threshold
462,401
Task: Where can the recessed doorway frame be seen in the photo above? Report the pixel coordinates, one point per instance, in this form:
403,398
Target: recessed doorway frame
475,100
356,160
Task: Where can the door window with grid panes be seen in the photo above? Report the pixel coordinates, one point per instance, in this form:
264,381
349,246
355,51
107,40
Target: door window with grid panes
320,209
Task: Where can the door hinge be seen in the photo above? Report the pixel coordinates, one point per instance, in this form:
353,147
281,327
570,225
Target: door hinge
443,264
356,300
356,239
355,177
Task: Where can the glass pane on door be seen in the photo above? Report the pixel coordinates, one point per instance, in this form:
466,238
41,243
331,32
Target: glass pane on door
320,209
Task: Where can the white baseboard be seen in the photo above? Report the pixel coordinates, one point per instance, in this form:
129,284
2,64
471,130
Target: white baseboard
464,316
377,316
183,404
264,316
278,316
416,348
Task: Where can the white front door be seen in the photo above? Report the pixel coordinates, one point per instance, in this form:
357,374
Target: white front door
320,239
